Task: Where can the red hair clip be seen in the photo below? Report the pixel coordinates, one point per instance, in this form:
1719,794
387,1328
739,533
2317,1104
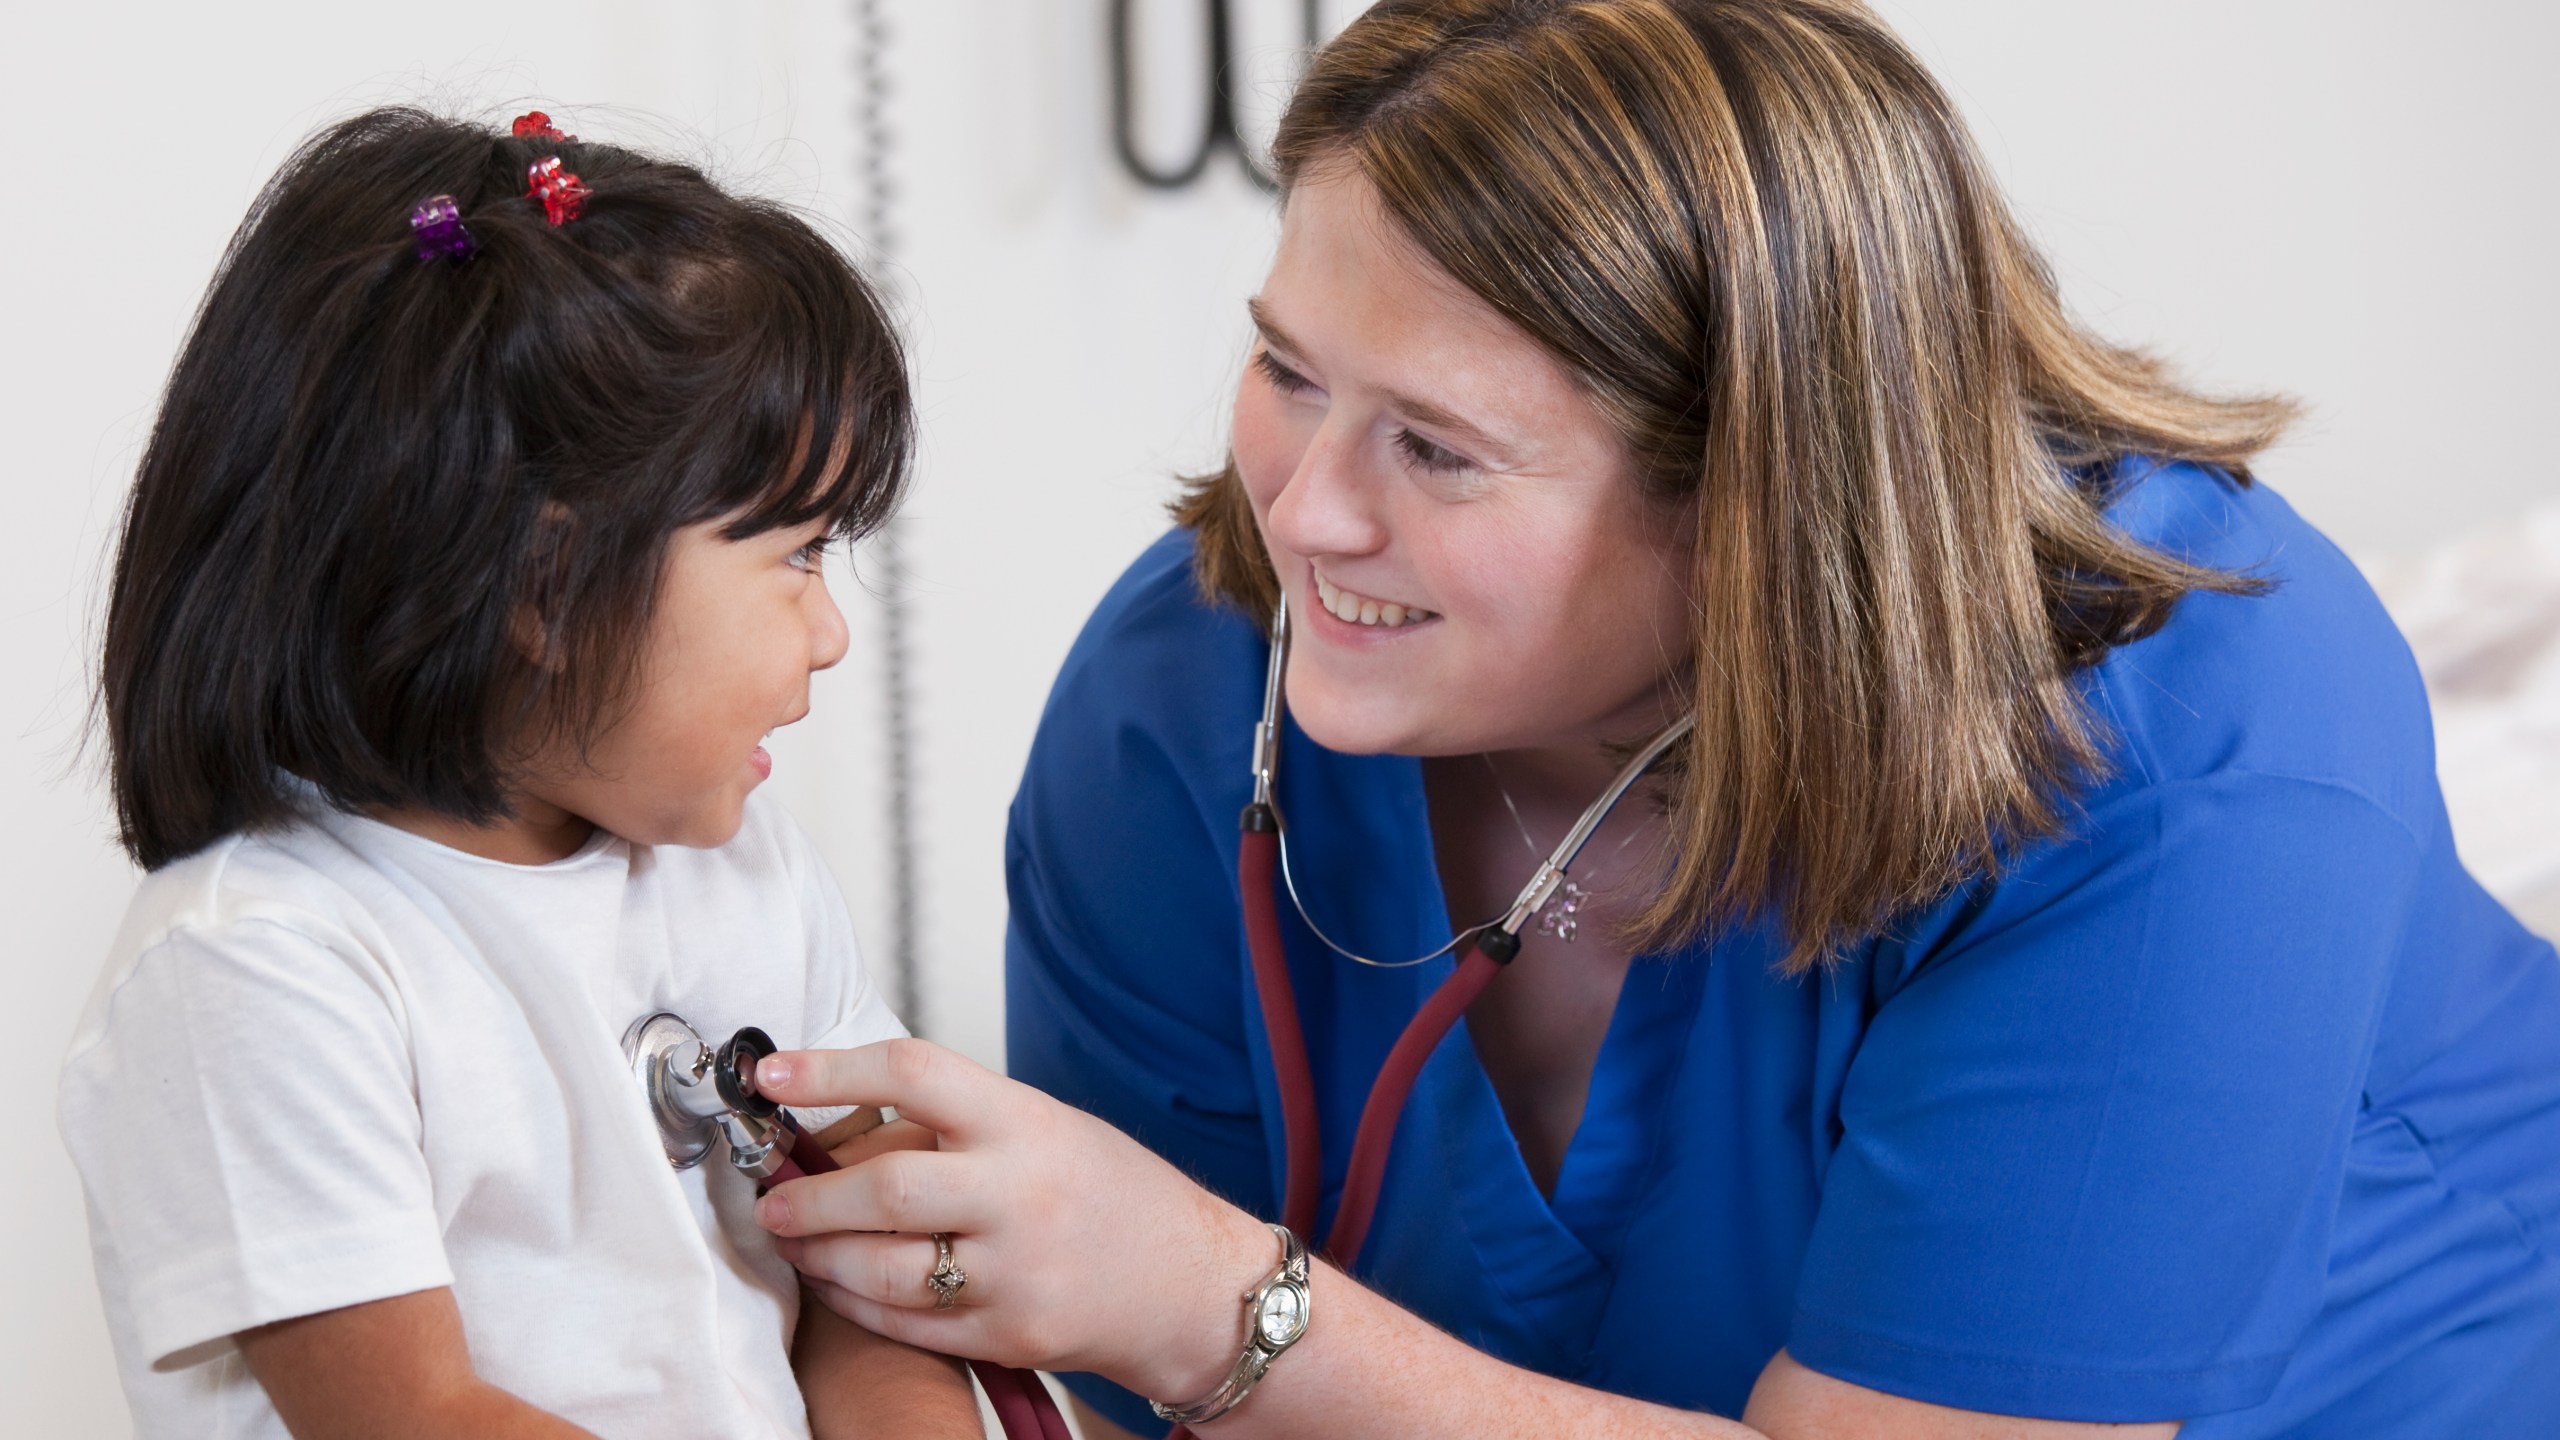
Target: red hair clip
562,194
533,124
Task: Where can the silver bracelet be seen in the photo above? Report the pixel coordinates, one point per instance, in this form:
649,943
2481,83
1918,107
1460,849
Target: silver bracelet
1275,1316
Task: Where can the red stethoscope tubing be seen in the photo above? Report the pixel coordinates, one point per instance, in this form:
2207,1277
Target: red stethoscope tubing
1257,877
1258,880
1256,866
1023,1405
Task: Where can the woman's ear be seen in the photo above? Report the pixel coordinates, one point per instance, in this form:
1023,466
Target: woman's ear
534,627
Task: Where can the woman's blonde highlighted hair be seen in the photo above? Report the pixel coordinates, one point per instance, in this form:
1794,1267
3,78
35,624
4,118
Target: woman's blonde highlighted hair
1762,238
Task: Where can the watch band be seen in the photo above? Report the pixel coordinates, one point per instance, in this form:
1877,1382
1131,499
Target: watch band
1275,1316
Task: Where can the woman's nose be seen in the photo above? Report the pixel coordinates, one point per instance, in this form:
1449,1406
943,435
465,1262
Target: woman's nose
1331,504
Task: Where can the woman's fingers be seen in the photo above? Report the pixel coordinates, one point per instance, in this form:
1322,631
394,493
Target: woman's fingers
890,1269
936,1088
919,1191
860,1120
957,1331
896,1135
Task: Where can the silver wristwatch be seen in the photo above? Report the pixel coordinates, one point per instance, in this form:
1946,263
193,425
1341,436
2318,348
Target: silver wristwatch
1275,1315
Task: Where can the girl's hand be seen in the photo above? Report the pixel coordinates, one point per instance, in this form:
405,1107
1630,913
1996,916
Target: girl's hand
1084,1251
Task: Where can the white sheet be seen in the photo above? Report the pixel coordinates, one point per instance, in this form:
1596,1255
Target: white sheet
2483,614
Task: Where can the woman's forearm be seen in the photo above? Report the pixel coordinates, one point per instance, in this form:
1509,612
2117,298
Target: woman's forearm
1097,1255
1369,1368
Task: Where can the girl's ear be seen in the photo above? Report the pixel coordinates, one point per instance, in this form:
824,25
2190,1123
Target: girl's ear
534,628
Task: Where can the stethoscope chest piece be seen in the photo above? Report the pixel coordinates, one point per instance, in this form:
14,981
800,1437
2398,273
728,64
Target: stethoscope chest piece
701,1096
658,1048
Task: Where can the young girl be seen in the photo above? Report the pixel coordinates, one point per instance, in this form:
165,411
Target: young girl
476,548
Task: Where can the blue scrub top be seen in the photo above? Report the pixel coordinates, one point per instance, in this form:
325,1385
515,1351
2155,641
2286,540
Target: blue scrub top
2239,1103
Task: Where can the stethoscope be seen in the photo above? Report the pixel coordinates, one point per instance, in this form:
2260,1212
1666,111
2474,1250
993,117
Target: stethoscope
705,1098
1263,876
1218,85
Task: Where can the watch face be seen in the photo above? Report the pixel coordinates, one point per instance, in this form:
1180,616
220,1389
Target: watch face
1283,1316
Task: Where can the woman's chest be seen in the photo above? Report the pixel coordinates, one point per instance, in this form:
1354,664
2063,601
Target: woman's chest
1538,1030
1661,1258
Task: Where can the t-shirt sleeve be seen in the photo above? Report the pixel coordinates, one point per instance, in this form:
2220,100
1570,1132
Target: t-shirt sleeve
243,1114
2092,1145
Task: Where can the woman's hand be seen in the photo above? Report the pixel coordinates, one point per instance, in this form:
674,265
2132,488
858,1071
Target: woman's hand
1084,1251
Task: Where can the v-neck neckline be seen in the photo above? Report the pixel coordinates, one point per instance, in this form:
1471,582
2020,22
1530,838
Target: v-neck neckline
1609,1161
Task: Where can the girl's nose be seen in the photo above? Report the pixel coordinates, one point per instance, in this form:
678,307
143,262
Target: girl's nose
828,637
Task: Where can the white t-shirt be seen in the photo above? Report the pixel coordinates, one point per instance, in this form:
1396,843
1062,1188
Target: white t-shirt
338,1062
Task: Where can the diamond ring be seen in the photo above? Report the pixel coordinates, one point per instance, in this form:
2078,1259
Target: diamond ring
947,1278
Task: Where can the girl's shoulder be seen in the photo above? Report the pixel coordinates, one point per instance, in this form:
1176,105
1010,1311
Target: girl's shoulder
292,879
266,919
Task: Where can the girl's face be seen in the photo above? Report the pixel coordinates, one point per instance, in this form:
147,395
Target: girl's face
740,626
1468,564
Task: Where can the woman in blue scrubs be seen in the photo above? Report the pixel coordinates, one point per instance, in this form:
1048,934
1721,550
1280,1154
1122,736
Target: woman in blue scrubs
2042,994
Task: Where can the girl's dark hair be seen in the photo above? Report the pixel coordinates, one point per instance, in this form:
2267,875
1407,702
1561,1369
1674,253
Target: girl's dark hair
381,489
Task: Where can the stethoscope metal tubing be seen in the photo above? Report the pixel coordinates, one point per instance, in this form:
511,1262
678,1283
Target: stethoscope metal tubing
1503,931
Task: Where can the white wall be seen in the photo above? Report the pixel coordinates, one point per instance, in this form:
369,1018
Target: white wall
2344,199
2347,199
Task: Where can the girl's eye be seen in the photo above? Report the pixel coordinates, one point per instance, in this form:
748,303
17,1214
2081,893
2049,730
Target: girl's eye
812,556
1282,378
1430,458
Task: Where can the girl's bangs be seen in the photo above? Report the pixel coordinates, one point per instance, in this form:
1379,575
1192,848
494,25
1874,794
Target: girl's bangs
815,363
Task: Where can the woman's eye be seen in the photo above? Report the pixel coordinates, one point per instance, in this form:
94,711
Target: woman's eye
812,556
1282,378
1428,457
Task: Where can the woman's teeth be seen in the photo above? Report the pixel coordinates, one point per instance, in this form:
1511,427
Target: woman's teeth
1361,610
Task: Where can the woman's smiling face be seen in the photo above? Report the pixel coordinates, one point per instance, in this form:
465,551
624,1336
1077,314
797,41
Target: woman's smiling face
1468,564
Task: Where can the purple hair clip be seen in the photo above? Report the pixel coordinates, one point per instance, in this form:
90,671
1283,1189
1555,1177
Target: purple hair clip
441,233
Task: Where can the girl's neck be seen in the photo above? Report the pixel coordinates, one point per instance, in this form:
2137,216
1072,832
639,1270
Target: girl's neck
537,833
